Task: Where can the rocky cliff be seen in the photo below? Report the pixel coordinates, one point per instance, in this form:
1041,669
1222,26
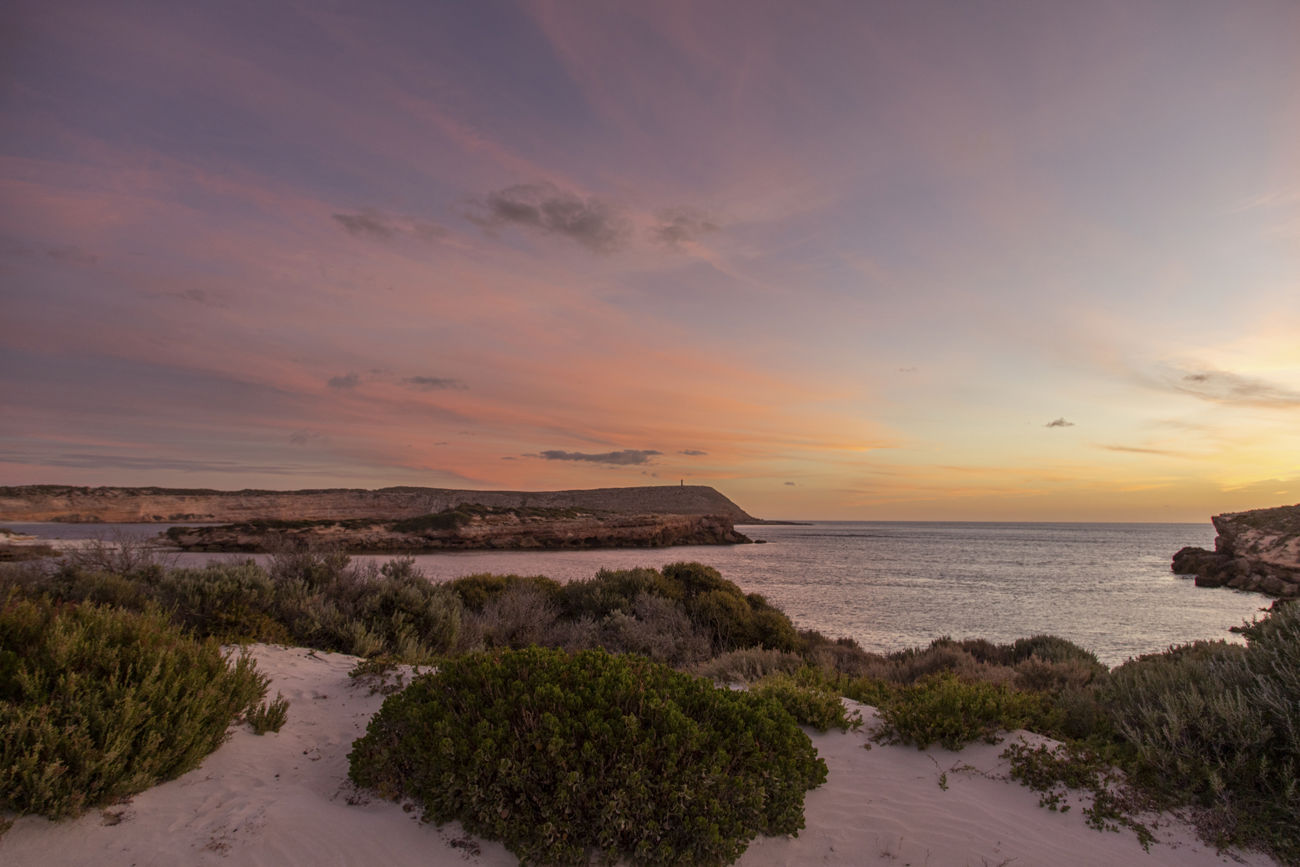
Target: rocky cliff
1257,550
170,505
467,527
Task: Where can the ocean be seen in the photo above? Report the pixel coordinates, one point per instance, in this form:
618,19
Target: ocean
893,585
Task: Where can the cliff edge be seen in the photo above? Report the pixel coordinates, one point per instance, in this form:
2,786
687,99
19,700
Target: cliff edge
1257,550
172,505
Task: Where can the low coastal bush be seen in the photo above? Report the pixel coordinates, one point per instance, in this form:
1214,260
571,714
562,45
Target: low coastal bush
98,704
808,698
562,757
1217,726
943,708
748,665
681,615
475,591
312,598
269,716
1111,803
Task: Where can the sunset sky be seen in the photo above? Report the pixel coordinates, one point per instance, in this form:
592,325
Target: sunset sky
896,260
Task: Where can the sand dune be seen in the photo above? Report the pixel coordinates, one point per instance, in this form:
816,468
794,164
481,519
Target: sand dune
284,799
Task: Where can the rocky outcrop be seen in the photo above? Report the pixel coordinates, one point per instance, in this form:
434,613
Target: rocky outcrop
467,528
171,505
1257,550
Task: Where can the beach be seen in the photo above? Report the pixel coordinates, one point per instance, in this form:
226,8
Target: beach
284,799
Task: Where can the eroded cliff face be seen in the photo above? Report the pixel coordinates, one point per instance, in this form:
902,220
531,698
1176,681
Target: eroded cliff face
170,505
1257,550
483,528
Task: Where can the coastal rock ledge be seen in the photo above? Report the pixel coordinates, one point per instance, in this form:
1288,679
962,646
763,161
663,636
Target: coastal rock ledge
1257,550
467,527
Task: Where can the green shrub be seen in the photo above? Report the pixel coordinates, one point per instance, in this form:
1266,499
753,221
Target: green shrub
1053,648
655,627
411,617
475,591
80,584
953,712
558,756
1187,715
308,597
447,519
868,690
98,704
269,716
1218,726
1054,771
627,604
616,590
841,655
231,601
521,615
748,665
310,568
1054,676
809,699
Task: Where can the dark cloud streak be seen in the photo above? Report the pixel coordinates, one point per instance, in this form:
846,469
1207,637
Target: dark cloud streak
1137,450
626,457
547,209
679,226
433,383
374,225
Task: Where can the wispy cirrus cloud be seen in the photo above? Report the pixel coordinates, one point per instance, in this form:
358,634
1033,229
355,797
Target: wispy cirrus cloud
305,437
344,382
375,225
100,461
1139,450
678,226
547,209
72,255
1226,387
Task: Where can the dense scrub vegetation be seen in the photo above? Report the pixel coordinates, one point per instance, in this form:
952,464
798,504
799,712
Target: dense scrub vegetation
98,703
563,756
314,599
1212,726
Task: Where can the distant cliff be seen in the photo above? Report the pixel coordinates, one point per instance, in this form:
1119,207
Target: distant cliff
467,528
171,505
1257,550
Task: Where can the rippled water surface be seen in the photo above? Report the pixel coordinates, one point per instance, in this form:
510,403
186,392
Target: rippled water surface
894,585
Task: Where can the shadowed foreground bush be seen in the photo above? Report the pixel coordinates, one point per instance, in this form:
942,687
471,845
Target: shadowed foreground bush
1218,726
561,757
953,712
97,704
312,598
809,699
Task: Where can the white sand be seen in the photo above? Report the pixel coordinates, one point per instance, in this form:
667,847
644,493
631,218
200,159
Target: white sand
284,799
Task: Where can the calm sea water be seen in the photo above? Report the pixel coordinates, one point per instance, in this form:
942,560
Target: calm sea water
892,585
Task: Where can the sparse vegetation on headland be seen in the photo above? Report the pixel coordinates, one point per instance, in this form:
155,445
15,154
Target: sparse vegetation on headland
1211,727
